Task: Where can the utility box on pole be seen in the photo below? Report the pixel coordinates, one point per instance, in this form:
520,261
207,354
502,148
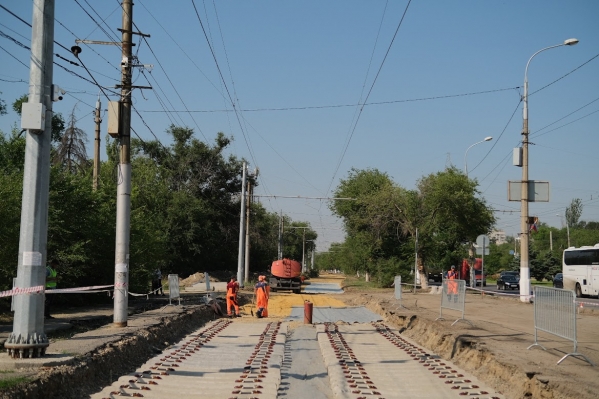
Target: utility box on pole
114,112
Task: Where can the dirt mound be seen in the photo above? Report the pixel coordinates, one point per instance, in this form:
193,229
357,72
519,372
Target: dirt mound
196,278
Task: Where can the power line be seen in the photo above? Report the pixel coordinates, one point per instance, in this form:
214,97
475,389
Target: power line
368,96
225,84
346,105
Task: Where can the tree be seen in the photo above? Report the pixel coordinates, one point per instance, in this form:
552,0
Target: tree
445,211
71,152
573,212
2,106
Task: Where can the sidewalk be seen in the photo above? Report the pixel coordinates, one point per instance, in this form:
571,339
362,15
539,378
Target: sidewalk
78,330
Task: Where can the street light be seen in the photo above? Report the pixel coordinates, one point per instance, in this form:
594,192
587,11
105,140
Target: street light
524,264
489,138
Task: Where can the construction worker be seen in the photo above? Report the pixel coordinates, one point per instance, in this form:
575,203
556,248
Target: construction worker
232,289
51,278
452,284
262,293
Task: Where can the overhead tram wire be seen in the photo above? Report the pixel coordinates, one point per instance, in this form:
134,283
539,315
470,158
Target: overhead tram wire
9,53
87,46
186,55
107,33
350,105
536,91
498,138
169,115
376,40
172,85
28,24
236,97
225,84
368,96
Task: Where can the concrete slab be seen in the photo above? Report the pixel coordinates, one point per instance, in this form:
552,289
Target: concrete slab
388,370
326,314
216,370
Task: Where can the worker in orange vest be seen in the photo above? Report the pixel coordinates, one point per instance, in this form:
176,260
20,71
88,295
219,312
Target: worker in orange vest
232,289
262,292
452,284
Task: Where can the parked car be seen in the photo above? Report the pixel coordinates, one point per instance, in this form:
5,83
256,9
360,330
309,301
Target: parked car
508,280
435,276
558,281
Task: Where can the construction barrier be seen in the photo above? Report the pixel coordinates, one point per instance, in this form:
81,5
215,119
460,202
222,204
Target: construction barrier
453,296
555,313
397,285
173,289
20,291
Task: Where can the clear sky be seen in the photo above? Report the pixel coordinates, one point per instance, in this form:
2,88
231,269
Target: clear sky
449,76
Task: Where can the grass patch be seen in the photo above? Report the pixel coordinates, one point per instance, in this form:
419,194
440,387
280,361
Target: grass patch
6,383
355,282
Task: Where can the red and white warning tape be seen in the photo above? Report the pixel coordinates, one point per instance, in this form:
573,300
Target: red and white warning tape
78,289
20,291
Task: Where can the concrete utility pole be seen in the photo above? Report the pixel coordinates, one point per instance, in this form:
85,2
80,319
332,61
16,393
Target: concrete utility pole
303,250
98,120
525,292
241,252
281,222
28,338
247,232
123,200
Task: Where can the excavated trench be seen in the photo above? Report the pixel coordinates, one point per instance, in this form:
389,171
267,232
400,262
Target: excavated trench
469,353
88,373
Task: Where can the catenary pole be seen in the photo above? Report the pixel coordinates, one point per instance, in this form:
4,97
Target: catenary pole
123,201
525,292
241,252
98,121
247,232
28,338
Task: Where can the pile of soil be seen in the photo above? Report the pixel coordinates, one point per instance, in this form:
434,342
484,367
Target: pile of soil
196,278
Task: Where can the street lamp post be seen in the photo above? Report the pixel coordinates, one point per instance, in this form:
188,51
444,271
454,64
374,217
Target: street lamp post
466,154
524,231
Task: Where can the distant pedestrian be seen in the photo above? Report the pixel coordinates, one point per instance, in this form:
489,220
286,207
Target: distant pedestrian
262,293
232,290
51,282
157,282
452,284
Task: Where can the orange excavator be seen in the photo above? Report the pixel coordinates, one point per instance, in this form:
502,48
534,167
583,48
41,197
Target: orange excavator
285,274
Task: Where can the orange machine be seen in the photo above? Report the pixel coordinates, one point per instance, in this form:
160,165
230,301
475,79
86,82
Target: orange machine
285,275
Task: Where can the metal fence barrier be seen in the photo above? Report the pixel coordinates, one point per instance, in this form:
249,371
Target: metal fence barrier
453,297
173,289
555,313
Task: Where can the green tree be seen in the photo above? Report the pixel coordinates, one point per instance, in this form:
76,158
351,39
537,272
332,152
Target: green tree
573,212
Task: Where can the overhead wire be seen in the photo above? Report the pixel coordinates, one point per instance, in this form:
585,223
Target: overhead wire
351,134
534,92
225,84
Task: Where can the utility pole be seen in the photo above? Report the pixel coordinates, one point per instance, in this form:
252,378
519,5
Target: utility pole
247,232
123,201
281,222
303,250
28,338
241,252
98,120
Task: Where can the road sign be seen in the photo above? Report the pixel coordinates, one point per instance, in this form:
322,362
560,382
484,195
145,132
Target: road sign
482,244
538,191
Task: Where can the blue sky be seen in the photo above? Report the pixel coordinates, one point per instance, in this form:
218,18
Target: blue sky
296,69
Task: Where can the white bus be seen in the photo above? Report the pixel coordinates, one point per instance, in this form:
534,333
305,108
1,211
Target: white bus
580,267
